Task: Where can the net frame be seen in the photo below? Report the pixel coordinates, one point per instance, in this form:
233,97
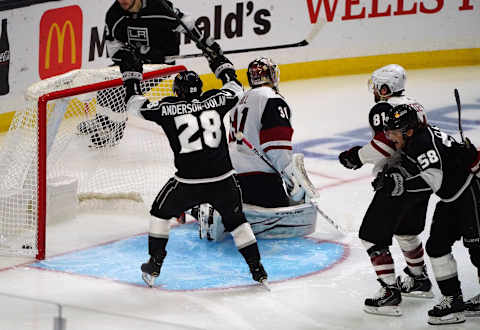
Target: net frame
42,106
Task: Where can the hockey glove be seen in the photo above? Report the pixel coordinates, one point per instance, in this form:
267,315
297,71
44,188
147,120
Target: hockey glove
131,68
350,158
222,68
390,181
209,47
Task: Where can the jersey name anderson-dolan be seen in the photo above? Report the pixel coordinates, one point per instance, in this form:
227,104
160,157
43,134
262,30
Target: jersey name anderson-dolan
185,108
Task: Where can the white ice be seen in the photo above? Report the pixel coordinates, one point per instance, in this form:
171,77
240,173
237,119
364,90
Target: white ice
331,299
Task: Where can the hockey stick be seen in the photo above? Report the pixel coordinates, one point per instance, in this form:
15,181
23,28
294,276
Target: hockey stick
239,136
459,108
305,42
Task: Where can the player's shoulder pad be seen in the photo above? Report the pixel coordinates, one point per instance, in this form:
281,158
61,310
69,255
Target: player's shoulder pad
276,113
377,115
422,140
265,91
156,105
214,92
154,7
114,13
380,107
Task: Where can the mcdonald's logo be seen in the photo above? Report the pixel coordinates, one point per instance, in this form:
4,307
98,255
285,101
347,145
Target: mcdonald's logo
60,48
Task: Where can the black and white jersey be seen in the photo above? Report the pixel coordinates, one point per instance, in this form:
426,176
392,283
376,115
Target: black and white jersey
196,132
442,164
151,31
379,146
263,116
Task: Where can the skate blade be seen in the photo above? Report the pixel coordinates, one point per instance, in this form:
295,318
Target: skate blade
148,279
447,319
264,284
384,310
472,313
418,294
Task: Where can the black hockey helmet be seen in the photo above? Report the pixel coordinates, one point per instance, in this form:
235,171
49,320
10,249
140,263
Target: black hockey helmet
402,117
263,71
188,85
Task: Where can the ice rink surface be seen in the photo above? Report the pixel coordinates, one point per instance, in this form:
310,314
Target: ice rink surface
329,115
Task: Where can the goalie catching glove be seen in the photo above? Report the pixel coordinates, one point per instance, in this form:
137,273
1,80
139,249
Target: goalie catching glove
391,181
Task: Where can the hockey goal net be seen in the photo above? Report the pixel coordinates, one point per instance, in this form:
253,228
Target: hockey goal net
74,140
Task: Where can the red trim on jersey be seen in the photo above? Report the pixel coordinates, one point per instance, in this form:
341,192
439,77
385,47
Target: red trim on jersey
380,136
277,147
380,150
475,166
279,133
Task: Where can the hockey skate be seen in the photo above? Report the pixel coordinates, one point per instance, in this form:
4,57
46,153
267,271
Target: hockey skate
386,301
151,269
418,286
472,306
448,311
258,273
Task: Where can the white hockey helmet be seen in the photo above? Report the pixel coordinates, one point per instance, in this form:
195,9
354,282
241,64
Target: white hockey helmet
392,76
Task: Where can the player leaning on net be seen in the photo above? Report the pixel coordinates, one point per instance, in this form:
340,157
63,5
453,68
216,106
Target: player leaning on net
379,224
447,168
193,123
137,32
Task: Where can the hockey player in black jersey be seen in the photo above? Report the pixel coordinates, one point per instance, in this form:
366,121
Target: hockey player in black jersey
137,32
193,123
446,167
379,225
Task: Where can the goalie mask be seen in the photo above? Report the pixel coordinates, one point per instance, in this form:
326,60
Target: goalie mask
262,71
187,85
388,80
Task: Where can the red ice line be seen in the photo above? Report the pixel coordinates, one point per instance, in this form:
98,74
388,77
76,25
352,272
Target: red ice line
339,181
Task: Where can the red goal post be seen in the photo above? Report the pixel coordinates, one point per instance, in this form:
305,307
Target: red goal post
38,138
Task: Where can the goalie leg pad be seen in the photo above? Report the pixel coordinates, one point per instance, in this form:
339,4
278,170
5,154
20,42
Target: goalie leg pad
210,223
281,222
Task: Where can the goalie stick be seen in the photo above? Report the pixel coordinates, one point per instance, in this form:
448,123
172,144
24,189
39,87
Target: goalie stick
459,108
305,42
284,176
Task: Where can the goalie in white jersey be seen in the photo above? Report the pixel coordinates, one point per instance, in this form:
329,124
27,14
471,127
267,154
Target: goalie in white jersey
263,117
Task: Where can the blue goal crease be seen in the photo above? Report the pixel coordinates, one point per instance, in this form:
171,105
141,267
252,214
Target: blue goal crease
198,264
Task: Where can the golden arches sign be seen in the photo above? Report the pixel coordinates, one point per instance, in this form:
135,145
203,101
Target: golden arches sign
60,42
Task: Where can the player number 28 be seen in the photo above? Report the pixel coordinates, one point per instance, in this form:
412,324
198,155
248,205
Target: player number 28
430,157
211,124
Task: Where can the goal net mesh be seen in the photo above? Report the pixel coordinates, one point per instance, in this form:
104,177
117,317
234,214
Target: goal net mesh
91,147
